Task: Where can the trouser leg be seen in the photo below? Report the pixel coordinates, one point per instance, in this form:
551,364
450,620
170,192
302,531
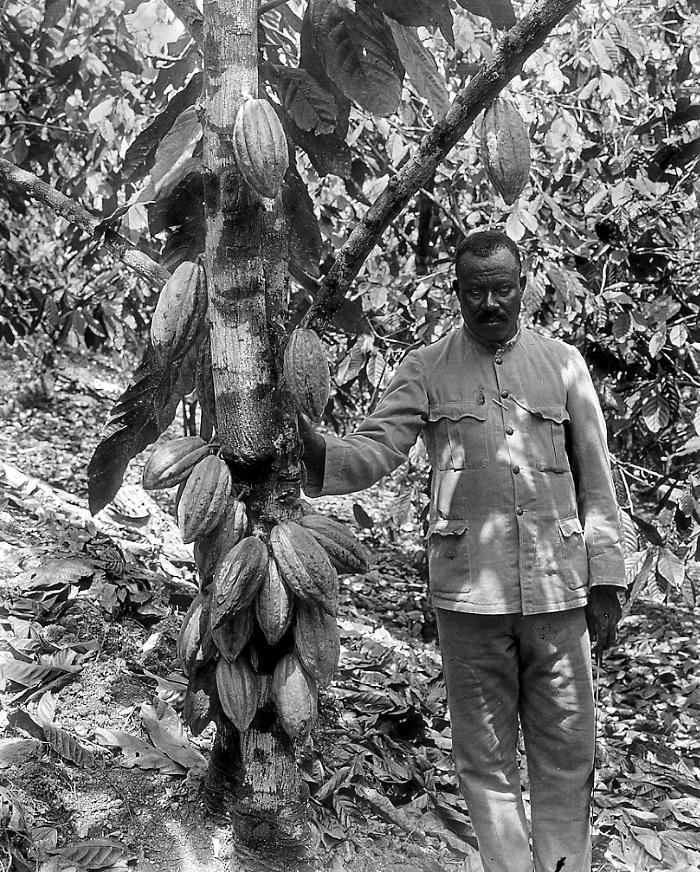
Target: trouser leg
481,673
557,717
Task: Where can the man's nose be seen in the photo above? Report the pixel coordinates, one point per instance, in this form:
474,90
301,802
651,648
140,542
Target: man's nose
490,300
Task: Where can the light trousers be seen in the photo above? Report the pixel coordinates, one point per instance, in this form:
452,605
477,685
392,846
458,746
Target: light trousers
536,669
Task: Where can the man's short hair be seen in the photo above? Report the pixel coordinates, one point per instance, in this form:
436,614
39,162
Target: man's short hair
484,243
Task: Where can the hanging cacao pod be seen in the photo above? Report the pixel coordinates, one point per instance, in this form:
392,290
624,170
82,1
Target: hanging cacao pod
274,605
171,462
260,147
195,645
237,685
296,696
238,577
203,498
306,372
228,532
505,149
180,310
304,565
316,641
233,635
201,699
344,550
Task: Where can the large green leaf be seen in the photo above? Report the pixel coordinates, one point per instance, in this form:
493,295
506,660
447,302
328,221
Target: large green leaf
304,235
140,415
499,12
422,69
417,13
358,53
306,101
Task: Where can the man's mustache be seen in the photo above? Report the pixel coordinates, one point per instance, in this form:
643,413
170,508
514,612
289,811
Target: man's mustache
492,316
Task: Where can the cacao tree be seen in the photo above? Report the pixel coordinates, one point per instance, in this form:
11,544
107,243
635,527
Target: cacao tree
314,96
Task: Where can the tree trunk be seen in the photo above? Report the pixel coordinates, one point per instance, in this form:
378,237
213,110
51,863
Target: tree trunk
253,780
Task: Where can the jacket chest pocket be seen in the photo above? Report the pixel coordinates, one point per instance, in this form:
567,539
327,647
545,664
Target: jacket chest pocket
459,432
548,433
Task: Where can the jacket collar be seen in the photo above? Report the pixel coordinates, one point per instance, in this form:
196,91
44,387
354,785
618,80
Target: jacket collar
492,346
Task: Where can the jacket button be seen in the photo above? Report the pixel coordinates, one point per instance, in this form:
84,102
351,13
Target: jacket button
516,470
509,431
498,360
505,395
518,511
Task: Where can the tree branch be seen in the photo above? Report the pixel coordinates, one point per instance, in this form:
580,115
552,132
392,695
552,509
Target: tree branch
522,40
190,16
141,263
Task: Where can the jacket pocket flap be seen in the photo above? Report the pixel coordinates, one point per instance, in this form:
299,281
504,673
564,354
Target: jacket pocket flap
557,414
456,411
569,526
447,527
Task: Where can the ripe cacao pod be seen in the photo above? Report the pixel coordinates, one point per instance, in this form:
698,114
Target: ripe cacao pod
201,700
306,372
203,498
171,462
238,577
195,645
316,641
237,685
274,605
296,696
345,552
505,149
228,532
233,635
304,565
180,311
260,147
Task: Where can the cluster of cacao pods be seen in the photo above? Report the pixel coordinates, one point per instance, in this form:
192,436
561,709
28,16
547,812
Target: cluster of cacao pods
285,584
505,149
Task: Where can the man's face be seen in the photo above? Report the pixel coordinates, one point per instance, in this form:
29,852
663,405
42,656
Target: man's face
489,290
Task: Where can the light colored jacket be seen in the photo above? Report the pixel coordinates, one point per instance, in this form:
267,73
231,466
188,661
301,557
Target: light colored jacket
523,515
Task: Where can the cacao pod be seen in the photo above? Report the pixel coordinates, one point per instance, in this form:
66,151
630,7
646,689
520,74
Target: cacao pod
238,577
260,147
195,645
232,636
203,499
237,685
180,311
274,605
201,700
296,696
304,565
317,642
306,372
228,532
171,462
505,149
345,552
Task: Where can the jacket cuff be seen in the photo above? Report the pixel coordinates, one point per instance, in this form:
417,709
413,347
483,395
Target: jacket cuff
607,568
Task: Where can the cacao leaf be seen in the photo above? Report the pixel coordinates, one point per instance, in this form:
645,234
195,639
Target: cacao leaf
138,753
167,733
92,853
648,530
141,154
655,413
671,568
68,746
421,68
140,415
358,53
304,235
306,101
420,13
363,519
499,12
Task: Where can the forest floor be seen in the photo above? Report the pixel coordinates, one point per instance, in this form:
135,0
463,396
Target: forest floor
96,770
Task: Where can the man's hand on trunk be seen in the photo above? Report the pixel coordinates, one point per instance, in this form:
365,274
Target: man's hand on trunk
603,613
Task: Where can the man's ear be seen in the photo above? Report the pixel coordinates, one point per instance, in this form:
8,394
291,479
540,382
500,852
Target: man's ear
455,286
523,281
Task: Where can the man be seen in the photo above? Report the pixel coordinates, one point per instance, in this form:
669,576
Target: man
523,550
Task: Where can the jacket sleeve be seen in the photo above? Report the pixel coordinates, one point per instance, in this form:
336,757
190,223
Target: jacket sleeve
597,503
383,439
